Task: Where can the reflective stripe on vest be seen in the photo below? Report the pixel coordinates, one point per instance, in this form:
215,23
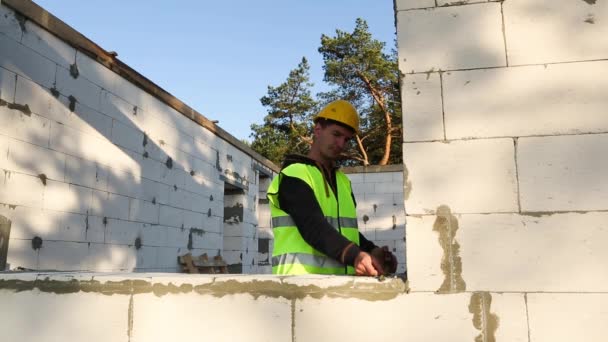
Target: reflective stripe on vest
291,253
306,259
345,222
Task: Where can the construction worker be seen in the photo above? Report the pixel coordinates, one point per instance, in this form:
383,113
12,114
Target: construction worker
314,211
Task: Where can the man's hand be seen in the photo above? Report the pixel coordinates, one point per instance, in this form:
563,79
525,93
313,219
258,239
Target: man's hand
385,258
366,266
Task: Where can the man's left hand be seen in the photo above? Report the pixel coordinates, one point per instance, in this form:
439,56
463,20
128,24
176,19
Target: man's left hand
385,259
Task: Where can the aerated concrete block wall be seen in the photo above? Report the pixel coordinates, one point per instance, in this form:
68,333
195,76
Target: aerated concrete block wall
505,139
97,173
378,192
162,307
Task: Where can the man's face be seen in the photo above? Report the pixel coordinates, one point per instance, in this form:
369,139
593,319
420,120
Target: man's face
332,139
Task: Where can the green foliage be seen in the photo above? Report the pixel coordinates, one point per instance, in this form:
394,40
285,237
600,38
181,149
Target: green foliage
362,73
288,124
359,71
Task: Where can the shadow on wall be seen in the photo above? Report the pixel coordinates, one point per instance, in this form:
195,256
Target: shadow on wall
98,176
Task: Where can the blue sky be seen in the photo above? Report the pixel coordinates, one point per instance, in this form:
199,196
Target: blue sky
220,56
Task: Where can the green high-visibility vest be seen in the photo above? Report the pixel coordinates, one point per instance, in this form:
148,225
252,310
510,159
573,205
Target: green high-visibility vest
291,253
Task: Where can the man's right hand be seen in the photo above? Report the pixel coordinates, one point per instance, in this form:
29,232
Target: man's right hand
364,265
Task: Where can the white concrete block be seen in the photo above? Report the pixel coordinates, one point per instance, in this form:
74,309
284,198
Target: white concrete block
177,237
391,234
83,90
7,84
85,119
143,211
167,257
163,193
121,110
147,257
504,106
96,230
104,204
362,188
25,222
213,224
178,199
512,253
124,183
48,45
354,178
63,256
370,203
197,203
9,25
12,192
65,226
149,190
26,62
70,141
436,318
212,241
563,173
422,107
154,150
158,129
127,137
122,232
106,257
173,177
85,173
150,168
378,177
57,108
34,160
386,188
96,72
401,5
449,38
30,128
170,216
28,223
392,209
73,307
273,317
203,151
464,175
154,235
234,243
39,99
567,31
181,160
66,197
198,185
565,316
21,254
192,219
129,92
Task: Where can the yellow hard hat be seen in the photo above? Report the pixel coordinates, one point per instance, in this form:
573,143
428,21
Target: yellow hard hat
340,111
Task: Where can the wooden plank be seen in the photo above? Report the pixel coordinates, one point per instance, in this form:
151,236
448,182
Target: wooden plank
5,232
187,261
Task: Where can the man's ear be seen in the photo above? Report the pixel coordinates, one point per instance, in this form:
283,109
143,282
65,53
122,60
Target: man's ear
316,129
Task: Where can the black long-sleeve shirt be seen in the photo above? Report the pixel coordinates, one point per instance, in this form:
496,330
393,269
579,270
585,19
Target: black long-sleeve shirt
298,200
